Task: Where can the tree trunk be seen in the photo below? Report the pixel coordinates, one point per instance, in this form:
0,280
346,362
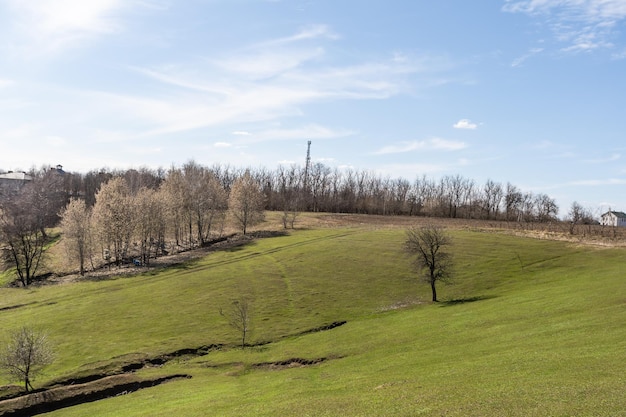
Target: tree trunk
434,290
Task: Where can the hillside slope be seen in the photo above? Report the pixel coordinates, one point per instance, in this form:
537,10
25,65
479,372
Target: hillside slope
531,327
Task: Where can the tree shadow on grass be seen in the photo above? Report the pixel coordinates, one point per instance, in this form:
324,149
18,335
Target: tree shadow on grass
457,301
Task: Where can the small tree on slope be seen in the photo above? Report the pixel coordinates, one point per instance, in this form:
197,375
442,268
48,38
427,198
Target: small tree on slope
26,353
428,245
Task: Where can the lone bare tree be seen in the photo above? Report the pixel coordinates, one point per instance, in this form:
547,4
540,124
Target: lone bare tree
428,245
26,353
238,316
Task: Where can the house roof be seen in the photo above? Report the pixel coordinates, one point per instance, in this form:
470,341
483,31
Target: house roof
16,176
618,214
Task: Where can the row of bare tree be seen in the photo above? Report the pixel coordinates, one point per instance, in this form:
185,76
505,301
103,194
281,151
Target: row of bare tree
329,190
143,213
128,221
188,209
323,189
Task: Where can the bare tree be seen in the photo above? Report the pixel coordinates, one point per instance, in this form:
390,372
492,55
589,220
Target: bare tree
21,231
47,197
149,218
290,196
76,229
513,202
113,218
246,201
546,207
428,245
26,353
578,215
239,318
175,200
91,183
196,203
493,194
208,202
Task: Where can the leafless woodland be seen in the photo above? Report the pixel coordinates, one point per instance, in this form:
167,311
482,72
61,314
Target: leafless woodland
112,217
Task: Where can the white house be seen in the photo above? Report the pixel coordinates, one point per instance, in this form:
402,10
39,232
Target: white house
613,218
13,181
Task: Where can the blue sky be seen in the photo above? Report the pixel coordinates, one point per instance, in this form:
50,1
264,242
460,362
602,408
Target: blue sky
531,92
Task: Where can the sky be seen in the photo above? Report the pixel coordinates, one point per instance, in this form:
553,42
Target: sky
531,92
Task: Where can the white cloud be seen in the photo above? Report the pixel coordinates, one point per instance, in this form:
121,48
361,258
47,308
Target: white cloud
200,94
311,131
430,144
275,56
612,158
414,170
254,98
588,9
265,64
346,167
583,24
55,141
587,41
619,55
18,132
6,83
45,26
306,33
544,144
465,124
520,60
593,183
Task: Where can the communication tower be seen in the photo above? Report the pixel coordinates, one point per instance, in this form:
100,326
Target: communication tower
307,164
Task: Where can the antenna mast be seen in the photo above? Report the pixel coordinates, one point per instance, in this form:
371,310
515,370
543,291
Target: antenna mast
305,185
307,165
308,158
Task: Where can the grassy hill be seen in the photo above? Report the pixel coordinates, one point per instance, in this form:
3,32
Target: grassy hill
531,328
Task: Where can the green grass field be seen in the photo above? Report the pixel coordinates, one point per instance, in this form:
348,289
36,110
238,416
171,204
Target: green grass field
530,328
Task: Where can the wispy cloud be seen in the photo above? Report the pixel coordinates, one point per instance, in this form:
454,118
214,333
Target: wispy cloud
273,57
306,33
619,55
583,25
430,144
614,157
520,60
286,162
268,63
277,83
55,141
310,131
465,124
415,170
46,26
593,183
5,82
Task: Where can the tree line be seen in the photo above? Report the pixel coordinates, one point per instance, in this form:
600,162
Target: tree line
137,214
134,215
